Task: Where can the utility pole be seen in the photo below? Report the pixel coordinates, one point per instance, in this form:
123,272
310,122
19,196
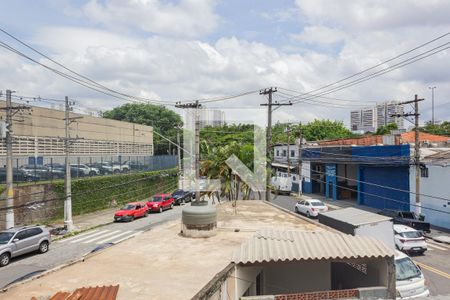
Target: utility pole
269,104
180,168
68,222
300,163
10,112
288,131
9,165
432,103
416,115
195,105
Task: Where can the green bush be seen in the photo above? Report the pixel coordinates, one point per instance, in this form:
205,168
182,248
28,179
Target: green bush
96,193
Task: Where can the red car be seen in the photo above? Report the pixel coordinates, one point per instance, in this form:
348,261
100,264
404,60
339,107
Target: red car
131,211
160,202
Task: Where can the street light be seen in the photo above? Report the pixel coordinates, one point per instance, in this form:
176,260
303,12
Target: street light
432,103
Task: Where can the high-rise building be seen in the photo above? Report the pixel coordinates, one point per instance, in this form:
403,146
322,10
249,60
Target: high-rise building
371,118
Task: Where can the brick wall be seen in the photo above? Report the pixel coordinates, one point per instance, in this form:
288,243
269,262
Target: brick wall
337,294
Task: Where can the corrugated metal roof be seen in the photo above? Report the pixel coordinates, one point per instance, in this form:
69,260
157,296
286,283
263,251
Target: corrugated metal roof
277,245
356,216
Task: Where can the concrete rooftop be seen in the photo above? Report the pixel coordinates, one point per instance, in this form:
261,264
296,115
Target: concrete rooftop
161,264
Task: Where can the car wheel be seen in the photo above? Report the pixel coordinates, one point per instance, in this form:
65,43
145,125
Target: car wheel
296,209
43,247
171,206
308,214
125,170
146,214
131,218
116,171
160,209
92,173
4,259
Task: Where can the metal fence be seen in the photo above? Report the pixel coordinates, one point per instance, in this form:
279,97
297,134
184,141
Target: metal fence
34,169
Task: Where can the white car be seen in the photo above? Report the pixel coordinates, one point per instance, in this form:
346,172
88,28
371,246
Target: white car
408,239
410,282
311,208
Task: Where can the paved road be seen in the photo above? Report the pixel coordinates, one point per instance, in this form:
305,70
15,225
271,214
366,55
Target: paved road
73,248
435,263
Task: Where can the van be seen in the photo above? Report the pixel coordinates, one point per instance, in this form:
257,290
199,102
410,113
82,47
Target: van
410,282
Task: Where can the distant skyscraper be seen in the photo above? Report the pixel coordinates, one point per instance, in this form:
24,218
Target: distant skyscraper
371,118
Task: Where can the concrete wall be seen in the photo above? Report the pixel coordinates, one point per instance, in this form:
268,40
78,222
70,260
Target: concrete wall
245,279
371,273
436,184
382,231
296,277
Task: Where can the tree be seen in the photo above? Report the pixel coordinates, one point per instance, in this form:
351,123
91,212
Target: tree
439,129
163,120
386,129
313,131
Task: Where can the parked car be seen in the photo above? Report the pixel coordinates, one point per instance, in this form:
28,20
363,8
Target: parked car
21,240
160,202
131,211
56,170
134,165
181,196
37,171
409,240
101,168
410,282
84,170
407,218
311,208
18,176
115,167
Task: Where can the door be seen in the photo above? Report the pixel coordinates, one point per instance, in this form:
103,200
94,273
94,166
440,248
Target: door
305,207
34,238
24,242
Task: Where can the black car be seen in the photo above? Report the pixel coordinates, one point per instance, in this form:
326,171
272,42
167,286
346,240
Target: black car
18,176
407,218
181,196
38,171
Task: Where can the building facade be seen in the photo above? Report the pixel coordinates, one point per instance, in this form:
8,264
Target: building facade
371,118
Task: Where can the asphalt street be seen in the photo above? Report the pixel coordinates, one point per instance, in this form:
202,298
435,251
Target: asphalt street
73,248
435,263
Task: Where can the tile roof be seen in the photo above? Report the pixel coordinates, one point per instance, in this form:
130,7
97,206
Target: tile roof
409,137
277,245
88,293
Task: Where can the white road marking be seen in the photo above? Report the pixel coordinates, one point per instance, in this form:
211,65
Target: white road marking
113,237
435,245
89,236
101,236
77,236
128,237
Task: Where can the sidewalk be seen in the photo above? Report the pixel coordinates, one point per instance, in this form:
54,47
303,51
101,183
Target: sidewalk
87,221
437,235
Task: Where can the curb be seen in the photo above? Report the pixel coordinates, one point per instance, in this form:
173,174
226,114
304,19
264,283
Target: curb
436,240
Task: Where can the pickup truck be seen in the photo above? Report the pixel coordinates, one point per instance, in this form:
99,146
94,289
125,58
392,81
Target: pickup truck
407,218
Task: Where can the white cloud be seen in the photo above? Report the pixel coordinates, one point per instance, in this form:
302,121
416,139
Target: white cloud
187,18
319,35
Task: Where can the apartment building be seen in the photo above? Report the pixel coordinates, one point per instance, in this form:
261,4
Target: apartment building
371,118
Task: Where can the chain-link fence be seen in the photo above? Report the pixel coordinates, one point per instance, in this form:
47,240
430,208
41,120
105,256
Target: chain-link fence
34,169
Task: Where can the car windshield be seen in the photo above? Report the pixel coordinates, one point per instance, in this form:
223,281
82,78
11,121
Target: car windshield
128,207
317,203
5,237
405,269
157,199
408,215
411,234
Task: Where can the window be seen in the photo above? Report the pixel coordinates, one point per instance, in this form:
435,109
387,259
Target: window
24,234
284,152
424,172
294,178
278,152
34,231
292,153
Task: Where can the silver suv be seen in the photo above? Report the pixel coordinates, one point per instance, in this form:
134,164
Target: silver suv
20,240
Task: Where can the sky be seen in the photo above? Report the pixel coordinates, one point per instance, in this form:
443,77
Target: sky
195,49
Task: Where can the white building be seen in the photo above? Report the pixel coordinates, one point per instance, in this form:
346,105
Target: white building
434,181
371,118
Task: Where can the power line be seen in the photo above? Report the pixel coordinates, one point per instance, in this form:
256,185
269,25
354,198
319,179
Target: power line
380,72
375,66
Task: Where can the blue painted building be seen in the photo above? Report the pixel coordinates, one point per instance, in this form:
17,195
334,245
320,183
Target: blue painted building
376,176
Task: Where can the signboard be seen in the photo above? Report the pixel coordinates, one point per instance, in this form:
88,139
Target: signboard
39,160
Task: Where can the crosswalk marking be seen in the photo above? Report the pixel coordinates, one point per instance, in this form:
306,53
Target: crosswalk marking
89,236
77,236
435,245
128,237
101,236
113,237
